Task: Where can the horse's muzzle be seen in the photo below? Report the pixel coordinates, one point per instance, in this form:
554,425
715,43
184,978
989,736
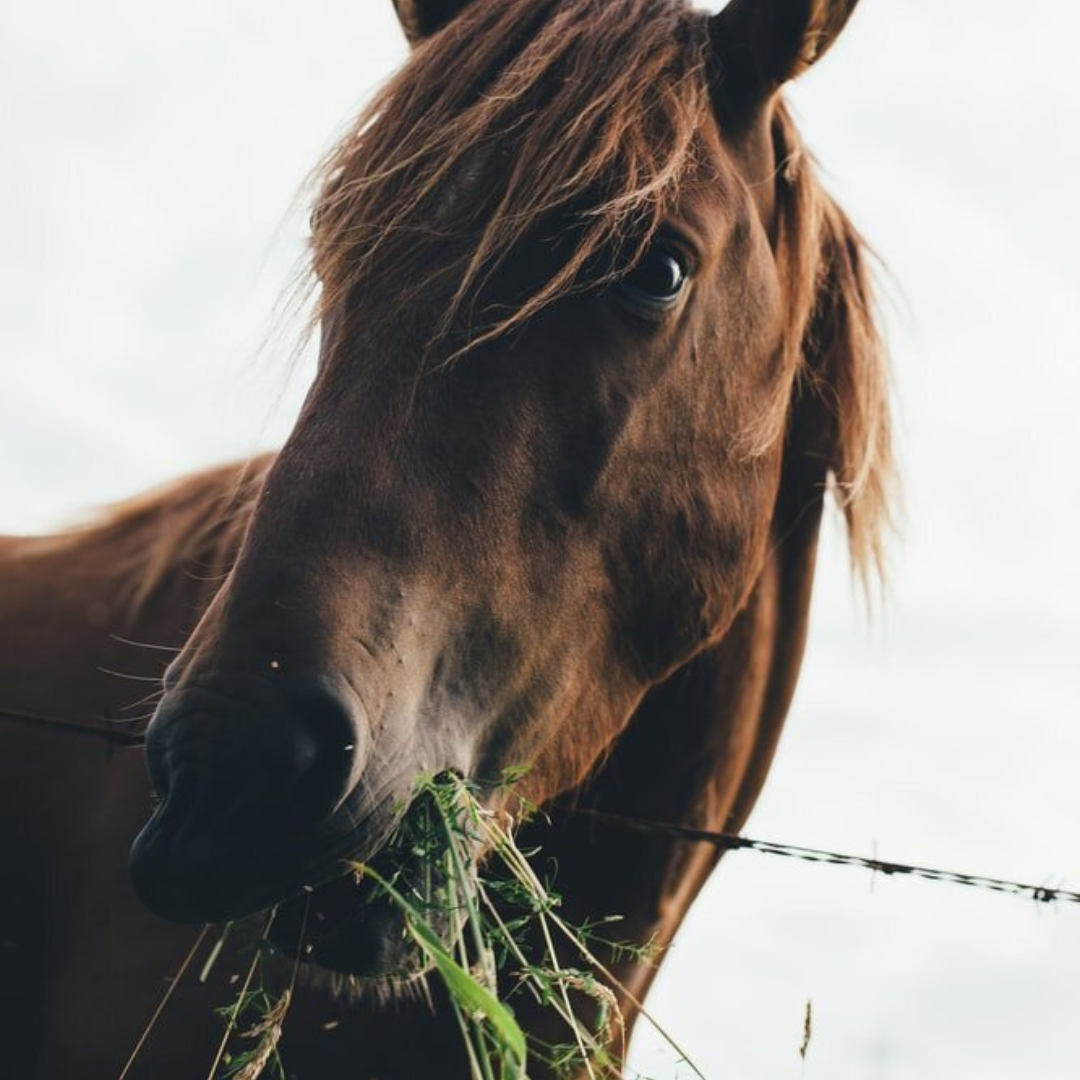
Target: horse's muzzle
253,778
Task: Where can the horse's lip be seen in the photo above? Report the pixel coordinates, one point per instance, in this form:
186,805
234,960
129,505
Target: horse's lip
214,880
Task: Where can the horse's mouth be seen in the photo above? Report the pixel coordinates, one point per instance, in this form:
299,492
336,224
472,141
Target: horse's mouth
351,926
329,911
206,857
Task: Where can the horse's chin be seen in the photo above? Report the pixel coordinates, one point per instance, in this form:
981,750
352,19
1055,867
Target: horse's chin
349,928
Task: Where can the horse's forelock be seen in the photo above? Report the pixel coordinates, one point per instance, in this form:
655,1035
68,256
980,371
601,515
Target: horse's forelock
582,107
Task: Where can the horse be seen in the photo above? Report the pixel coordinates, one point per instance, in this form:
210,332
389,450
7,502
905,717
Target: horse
595,345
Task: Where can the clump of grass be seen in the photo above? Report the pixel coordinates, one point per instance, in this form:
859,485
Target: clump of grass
493,932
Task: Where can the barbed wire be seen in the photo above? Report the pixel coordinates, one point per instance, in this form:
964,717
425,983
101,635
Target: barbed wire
1043,894
120,732
113,732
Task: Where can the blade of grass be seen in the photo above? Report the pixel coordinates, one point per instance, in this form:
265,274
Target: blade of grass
163,1002
215,952
241,997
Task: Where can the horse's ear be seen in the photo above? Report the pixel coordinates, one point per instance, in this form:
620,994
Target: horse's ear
760,44
422,18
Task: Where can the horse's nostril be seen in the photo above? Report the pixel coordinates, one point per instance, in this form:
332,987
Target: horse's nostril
246,769
328,741
278,749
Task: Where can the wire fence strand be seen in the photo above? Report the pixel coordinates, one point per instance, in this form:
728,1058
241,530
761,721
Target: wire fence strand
1043,894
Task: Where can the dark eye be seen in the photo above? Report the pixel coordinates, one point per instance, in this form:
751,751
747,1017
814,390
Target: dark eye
657,278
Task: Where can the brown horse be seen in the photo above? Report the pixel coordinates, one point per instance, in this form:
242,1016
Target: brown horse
593,342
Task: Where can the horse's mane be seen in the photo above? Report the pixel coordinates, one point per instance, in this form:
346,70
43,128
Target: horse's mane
844,363
595,104
192,524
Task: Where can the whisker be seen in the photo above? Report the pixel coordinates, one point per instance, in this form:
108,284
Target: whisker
300,942
146,644
151,698
191,576
145,718
133,678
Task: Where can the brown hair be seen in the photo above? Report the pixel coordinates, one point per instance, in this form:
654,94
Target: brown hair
592,108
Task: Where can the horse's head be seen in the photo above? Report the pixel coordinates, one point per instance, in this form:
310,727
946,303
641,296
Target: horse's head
574,273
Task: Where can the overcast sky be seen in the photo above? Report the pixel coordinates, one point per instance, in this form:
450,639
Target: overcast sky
149,155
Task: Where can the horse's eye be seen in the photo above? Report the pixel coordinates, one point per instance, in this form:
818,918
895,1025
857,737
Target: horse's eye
657,278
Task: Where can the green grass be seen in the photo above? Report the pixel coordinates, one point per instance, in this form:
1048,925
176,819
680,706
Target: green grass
491,931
